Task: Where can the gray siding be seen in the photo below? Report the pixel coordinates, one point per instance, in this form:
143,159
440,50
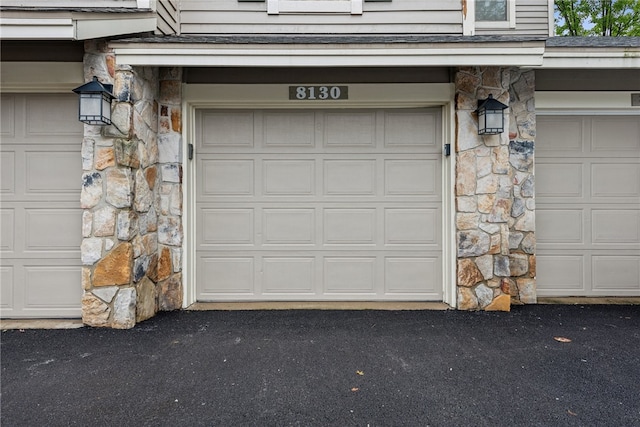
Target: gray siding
398,16
532,18
168,17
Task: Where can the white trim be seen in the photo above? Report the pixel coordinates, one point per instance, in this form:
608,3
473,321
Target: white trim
75,26
591,58
597,103
276,7
41,77
468,17
360,96
449,54
551,18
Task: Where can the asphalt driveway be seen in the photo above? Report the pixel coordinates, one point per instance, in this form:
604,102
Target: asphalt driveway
332,368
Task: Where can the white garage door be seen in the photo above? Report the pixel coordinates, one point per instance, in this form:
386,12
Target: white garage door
319,205
40,215
588,205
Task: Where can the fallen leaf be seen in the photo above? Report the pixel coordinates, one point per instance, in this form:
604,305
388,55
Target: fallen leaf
360,372
354,389
570,412
562,339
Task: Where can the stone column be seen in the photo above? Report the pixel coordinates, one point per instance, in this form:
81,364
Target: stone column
494,192
170,231
120,241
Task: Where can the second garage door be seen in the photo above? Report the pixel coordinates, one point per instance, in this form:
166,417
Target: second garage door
588,205
319,205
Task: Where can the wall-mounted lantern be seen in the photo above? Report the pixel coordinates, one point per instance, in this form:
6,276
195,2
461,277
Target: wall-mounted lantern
95,102
490,116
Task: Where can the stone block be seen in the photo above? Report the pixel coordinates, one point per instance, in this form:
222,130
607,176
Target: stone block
121,121
483,166
467,299
105,157
170,293
529,243
518,207
501,266
176,259
124,309
151,174
466,174
500,303
104,222
485,265
86,278
171,173
487,185
176,120
170,231
126,225
468,273
90,250
175,203
467,82
170,148
518,264
492,77
164,264
532,266
466,204
527,189
526,222
501,211
91,192
146,300
95,312
467,221
108,244
87,154
87,223
527,290
471,243
119,187
143,198
140,267
467,131
127,152
514,240
484,295
486,202
500,157
123,86
115,267
521,155
106,294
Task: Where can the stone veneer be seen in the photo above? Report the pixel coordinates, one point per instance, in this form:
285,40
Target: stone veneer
132,195
494,189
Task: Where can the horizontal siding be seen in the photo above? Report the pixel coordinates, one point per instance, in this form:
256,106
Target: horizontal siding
71,3
532,19
168,17
398,16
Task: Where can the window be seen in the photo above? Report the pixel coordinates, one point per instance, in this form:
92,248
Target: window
491,10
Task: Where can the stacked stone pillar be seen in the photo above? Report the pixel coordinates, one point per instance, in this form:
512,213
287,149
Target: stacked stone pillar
127,275
494,192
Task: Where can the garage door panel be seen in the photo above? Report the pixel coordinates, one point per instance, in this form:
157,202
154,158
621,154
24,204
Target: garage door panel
560,226
618,274
52,286
228,177
8,117
288,129
350,177
559,274
54,173
7,172
350,275
413,275
7,230
52,230
350,130
226,275
226,129
53,117
616,179
560,135
625,129
289,177
412,177
289,226
411,226
616,226
226,227
350,226
560,180
6,287
288,275
411,129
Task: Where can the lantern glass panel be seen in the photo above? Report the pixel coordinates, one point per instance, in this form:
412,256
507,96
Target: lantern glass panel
90,105
494,121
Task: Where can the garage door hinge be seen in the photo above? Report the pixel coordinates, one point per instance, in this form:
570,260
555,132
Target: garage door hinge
190,149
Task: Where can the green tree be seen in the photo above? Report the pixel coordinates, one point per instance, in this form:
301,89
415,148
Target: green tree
597,17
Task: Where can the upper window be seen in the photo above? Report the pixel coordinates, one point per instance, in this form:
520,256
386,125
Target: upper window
491,10
495,13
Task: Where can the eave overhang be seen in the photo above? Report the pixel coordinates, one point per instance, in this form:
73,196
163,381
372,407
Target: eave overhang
582,57
74,24
330,51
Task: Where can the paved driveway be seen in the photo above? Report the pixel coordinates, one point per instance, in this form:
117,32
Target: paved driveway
332,368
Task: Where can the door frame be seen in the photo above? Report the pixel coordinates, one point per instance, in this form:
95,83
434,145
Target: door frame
276,96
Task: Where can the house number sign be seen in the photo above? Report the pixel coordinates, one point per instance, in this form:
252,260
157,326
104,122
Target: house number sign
318,93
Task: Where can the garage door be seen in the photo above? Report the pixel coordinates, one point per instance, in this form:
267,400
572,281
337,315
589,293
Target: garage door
319,205
588,205
40,216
